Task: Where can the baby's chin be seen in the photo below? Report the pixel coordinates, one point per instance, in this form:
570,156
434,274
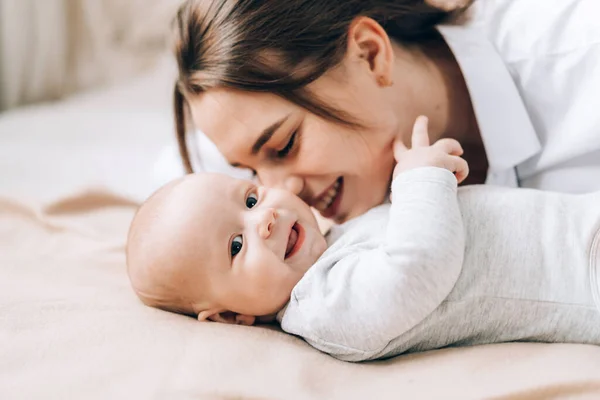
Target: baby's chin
311,254
267,310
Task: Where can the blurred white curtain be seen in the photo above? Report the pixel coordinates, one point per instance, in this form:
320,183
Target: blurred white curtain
50,48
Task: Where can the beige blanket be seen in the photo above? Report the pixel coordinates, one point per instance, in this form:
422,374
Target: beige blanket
70,327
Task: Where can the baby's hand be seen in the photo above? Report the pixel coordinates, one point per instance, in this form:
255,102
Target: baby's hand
445,153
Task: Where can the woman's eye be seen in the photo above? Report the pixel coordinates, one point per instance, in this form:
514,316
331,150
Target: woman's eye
236,245
288,147
251,200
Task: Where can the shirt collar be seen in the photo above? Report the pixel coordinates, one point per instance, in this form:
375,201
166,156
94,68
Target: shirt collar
506,129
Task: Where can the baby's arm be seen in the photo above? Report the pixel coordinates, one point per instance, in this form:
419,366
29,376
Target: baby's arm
373,295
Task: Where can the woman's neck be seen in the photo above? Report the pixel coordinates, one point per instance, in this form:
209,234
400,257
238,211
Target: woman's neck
446,100
441,93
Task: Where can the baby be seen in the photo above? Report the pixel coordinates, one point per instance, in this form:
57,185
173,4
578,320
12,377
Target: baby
437,267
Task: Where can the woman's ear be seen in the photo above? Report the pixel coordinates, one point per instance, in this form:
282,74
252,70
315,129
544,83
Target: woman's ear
369,42
226,317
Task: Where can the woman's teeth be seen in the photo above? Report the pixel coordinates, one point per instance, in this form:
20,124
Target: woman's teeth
327,199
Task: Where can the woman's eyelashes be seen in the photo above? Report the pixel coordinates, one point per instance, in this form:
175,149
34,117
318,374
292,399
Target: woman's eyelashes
288,147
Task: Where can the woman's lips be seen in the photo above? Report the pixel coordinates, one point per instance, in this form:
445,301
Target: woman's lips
328,202
295,240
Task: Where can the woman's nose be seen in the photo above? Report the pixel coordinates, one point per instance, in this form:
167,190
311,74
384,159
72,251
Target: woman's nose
266,222
292,183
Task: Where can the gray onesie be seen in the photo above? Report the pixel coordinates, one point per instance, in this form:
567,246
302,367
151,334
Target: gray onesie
440,267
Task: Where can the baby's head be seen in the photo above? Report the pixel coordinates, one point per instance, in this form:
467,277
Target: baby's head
220,248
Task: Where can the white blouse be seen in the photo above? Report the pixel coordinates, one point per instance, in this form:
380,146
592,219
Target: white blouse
533,72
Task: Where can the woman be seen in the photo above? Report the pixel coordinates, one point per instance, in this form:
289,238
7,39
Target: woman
311,94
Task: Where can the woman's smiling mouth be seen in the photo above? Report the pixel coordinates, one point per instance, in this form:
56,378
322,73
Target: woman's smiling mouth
328,202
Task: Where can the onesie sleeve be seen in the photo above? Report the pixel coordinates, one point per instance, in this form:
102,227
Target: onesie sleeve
374,295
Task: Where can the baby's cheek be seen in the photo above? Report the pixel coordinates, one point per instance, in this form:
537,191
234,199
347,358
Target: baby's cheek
317,248
322,246
256,267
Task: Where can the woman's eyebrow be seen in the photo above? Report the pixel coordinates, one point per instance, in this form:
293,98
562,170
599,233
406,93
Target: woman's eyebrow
267,134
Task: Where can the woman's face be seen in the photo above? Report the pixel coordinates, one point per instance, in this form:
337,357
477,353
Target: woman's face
340,171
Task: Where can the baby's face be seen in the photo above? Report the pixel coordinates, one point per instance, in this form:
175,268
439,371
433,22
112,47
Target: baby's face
259,242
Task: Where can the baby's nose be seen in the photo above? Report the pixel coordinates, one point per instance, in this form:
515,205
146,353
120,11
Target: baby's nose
267,222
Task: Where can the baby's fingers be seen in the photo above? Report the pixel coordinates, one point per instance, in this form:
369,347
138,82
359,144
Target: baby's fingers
449,146
461,168
420,134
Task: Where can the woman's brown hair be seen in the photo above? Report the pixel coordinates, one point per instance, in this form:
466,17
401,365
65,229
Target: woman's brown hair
280,46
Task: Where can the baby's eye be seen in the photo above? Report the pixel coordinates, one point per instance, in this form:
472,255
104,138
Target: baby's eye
251,200
236,245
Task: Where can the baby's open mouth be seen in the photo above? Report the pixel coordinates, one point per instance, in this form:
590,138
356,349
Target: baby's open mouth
295,240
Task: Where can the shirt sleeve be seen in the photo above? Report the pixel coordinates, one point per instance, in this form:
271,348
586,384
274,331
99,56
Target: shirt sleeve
373,295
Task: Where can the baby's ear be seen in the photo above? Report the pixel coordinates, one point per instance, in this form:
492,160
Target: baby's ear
247,320
226,317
